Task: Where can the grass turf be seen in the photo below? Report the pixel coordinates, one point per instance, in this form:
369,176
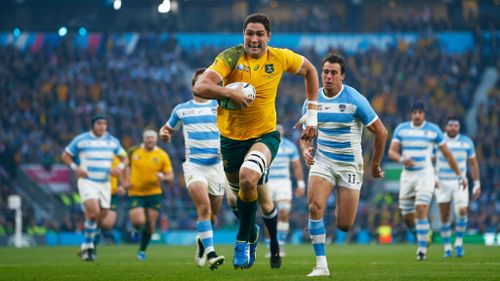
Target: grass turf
349,262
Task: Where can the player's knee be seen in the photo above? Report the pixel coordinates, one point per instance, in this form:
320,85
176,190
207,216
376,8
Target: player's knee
283,215
248,180
461,210
266,207
138,223
344,226
204,211
93,215
315,210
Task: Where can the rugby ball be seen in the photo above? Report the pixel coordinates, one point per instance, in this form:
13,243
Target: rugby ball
248,90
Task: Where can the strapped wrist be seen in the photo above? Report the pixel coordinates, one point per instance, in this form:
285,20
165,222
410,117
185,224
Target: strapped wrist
301,184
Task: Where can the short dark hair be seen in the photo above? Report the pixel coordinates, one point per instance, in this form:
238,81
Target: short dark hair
197,72
334,58
258,18
418,105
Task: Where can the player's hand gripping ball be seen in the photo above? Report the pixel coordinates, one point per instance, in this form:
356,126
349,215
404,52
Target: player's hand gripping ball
248,90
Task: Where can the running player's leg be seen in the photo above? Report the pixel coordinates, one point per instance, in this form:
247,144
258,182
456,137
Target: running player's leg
407,201
347,207
253,167
443,198
423,197
444,209
317,196
270,217
284,207
89,193
149,229
461,202
92,213
137,214
350,180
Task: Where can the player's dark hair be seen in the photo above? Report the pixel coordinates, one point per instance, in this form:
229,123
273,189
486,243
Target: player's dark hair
258,18
334,58
197,72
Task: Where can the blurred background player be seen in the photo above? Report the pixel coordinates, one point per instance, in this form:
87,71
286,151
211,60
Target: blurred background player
90,155
448,187
280,185
338,162
149,166
249,140
416,140
203,171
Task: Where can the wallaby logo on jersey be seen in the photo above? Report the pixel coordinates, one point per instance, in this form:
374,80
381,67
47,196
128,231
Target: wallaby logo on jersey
269,68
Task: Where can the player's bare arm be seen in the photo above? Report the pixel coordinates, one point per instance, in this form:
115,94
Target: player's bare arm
309,72
474,169
394,155
307,151
166,133
119,171
380,132
166,177
299,176
453,164
67,159
208,87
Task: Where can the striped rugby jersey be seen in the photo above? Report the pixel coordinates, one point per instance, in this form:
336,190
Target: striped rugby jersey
462,149
340,124
201,135
417,143
95,154
280,167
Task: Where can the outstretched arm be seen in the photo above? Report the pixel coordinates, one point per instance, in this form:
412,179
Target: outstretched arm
380,132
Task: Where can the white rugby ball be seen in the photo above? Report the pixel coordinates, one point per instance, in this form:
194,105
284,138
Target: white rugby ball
248,90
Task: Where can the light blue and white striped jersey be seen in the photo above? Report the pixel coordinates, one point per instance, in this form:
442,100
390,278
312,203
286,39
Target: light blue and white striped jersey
95,154
462,149
280,167
340,124
417,143
201,135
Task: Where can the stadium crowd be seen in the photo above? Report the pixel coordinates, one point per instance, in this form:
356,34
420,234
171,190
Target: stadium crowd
50,96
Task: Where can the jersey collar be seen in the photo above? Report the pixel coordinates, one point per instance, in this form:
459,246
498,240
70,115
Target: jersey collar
201,103
334,97
144,147
418,127
450,138
96,137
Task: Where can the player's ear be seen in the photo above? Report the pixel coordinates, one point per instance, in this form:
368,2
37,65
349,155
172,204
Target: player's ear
268,37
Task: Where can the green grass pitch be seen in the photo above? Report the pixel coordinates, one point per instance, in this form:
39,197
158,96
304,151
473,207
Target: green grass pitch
349,262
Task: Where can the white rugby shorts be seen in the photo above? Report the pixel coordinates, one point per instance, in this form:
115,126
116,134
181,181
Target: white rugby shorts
417,184
213,176
343,174
101,191
451,190
280,189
